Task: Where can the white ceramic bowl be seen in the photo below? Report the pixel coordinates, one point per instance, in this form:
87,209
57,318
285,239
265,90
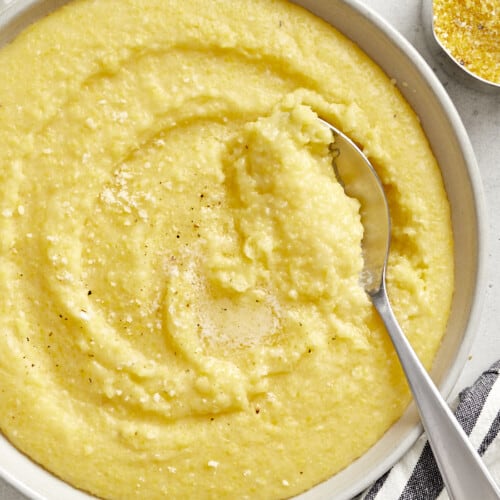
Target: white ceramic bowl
453,151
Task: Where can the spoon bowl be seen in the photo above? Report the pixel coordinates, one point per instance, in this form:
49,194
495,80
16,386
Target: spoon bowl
463,472
359,180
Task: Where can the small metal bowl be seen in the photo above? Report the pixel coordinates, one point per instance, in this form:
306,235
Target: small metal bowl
447,61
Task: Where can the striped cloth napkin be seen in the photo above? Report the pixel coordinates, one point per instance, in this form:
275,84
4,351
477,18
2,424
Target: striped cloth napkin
416,476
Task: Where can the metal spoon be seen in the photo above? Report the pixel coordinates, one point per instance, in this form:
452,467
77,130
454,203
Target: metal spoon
464,474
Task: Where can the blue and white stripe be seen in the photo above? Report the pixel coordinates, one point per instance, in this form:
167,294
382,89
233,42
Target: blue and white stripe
416,476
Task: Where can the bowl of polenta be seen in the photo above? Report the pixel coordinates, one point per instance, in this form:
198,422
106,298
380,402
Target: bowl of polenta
181,312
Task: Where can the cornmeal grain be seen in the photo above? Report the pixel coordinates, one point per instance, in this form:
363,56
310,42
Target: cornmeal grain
470,31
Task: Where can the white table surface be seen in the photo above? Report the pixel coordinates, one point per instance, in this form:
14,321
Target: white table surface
481,116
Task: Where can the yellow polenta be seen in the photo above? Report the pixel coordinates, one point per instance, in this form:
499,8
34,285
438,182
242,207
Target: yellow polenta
180,314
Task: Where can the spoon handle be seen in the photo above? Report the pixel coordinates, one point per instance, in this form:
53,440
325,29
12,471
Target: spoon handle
464,473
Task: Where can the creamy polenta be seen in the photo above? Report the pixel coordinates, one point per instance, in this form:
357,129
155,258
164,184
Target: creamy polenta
181,315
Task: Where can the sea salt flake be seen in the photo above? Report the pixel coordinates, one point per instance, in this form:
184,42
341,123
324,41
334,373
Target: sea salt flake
107,196
65,276
120,116
88,449
91,123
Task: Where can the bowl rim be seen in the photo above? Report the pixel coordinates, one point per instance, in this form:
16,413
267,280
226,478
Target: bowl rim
11,10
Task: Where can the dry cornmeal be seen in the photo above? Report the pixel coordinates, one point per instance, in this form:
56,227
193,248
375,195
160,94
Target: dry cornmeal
181,314
470,31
